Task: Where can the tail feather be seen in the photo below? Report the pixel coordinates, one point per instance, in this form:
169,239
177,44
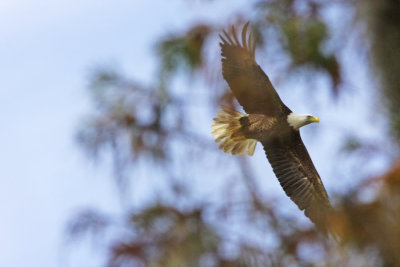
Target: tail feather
227,132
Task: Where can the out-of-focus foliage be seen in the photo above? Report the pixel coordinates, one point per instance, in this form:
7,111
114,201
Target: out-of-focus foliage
382,23
165,236
151,126
183,51
90,222
303,34
129,117
374,224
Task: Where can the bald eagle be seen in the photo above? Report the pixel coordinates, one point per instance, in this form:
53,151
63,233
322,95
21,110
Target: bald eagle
270,122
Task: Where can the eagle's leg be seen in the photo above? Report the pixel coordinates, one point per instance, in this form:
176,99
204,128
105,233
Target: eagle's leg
258,126
238,133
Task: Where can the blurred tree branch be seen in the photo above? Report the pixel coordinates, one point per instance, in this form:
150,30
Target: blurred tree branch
156,126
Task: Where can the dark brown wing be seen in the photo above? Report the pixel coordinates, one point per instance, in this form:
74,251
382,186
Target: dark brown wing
248,82
300,180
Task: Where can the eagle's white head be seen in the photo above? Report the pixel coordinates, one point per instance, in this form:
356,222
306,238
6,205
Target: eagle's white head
299,120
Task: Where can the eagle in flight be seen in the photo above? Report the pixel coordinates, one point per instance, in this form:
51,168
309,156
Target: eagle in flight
270,122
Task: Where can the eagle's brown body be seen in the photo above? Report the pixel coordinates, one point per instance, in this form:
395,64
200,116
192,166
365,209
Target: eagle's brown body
266,122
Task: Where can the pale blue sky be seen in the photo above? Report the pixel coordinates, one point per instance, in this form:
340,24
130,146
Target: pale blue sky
47,49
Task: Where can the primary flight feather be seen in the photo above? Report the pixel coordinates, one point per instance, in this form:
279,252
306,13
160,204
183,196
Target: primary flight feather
270,122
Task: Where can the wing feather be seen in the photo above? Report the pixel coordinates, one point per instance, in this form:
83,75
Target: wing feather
229,38
237,43
248,82
299,179
244,33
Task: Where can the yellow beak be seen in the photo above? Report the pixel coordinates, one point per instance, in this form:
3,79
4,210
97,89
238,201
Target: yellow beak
314,119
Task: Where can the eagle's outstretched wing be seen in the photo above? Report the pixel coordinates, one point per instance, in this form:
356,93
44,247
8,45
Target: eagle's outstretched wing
300,180
249,84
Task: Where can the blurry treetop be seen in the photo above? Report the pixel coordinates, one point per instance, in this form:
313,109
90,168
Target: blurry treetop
156,127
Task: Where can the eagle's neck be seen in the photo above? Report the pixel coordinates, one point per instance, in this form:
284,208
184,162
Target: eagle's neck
298,120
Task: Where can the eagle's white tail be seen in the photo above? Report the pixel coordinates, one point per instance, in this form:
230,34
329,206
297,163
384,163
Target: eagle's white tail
226,131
